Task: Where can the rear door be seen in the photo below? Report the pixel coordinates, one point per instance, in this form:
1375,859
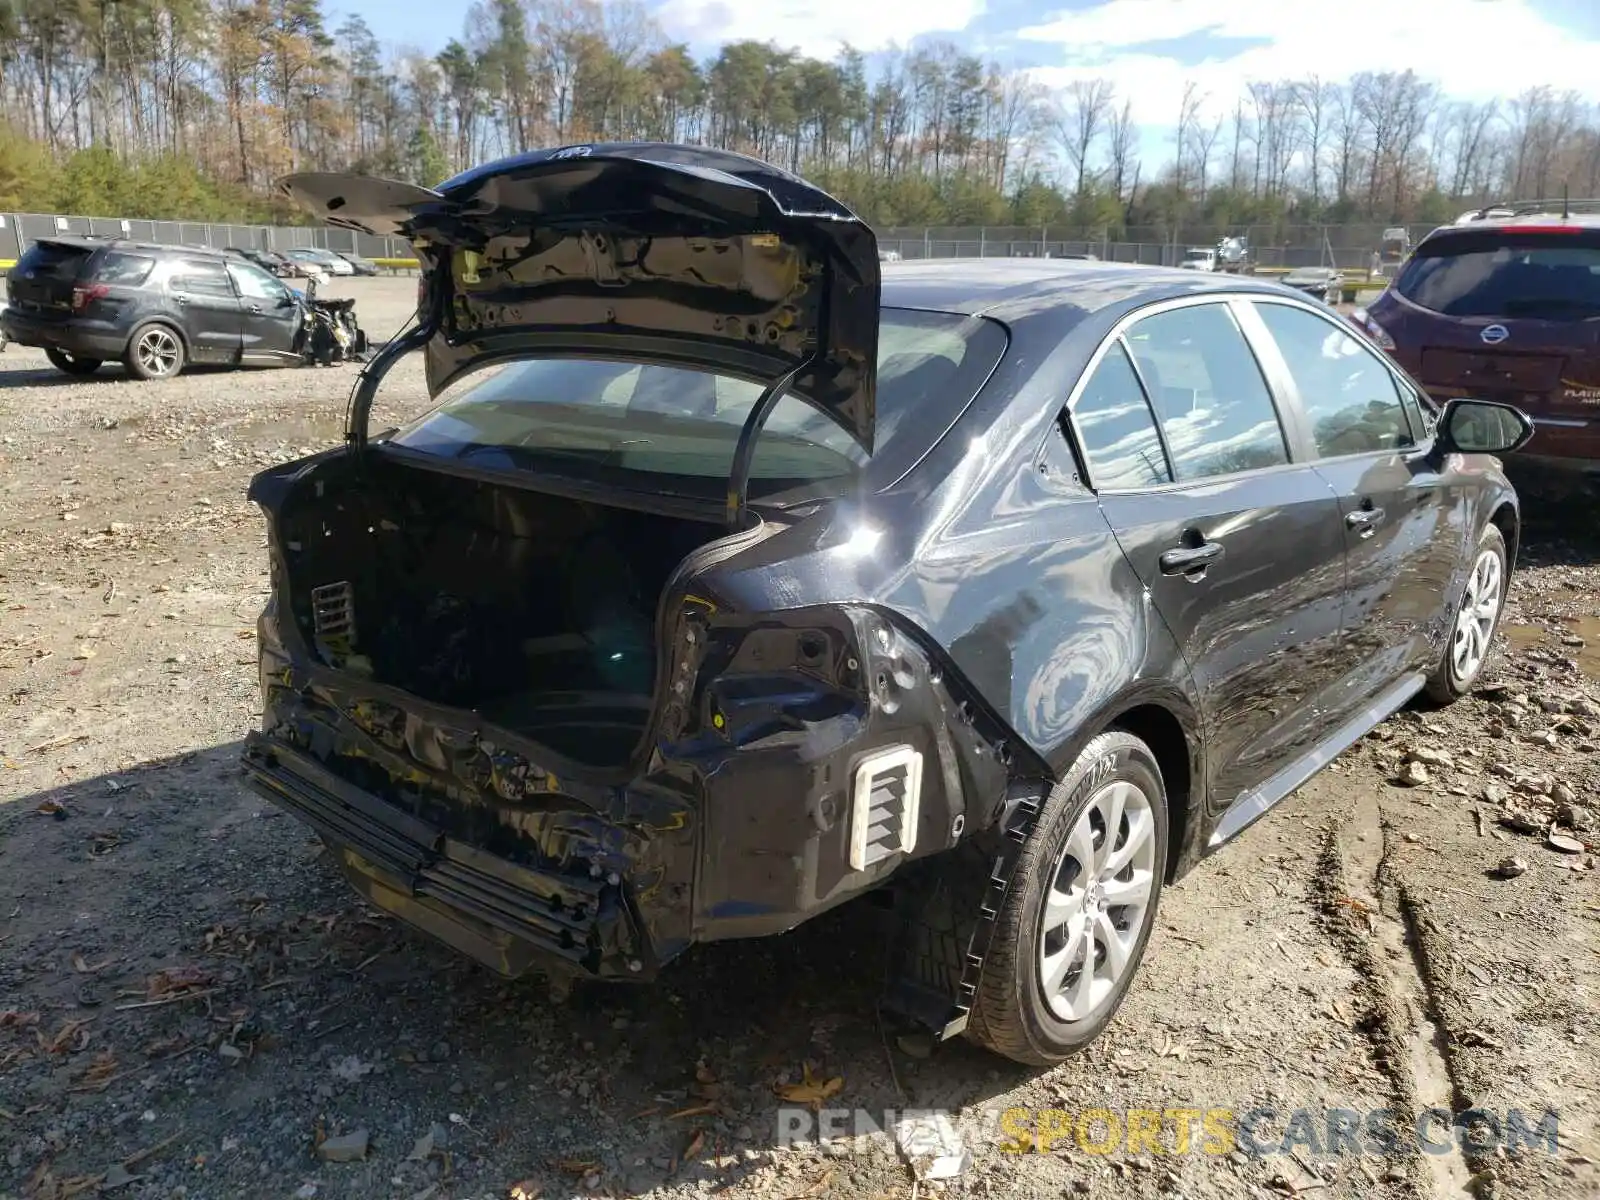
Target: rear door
42,281
271,317
1405,522
210,310
1241,548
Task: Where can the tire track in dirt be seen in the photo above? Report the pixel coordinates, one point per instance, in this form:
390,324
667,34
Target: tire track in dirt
1367,911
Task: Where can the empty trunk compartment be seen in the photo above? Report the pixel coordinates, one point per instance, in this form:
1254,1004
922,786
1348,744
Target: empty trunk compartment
535,611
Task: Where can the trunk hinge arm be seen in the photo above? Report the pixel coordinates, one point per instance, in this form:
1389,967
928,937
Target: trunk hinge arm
744,452
358,411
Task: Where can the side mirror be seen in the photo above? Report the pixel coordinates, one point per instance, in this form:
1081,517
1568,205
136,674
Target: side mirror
1483,427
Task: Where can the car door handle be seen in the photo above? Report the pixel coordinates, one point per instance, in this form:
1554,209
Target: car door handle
1187,560
255,308
182,299
1364,519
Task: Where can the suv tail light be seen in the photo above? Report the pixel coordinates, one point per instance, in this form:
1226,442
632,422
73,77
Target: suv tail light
1363,321
82,297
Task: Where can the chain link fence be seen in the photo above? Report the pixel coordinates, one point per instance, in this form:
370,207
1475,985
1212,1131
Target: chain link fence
1274,247
20,230
1281,247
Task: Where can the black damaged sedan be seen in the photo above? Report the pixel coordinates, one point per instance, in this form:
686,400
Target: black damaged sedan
735,575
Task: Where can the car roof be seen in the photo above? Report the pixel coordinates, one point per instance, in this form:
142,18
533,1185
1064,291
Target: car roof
1510,215
130,245
1007,288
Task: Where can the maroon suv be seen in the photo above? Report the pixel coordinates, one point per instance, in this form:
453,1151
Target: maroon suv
1506,307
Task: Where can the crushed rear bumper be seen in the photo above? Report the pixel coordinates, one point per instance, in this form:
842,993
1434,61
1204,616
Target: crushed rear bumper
744,826
506,916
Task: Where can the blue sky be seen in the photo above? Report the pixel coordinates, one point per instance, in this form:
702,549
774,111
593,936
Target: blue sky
1475,49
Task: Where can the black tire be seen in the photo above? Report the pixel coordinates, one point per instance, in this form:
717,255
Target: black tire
1449,682
71,364
145,361
1011,1014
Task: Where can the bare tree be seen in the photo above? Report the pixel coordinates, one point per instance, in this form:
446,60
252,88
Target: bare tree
1188,114
1314,101
1205,141
1347,135
1241,130
1079,121
1122,137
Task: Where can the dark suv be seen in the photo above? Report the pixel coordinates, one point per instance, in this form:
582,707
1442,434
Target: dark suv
1505,305
157,308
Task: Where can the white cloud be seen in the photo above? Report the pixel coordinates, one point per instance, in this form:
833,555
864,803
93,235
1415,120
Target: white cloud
815,27
1474,49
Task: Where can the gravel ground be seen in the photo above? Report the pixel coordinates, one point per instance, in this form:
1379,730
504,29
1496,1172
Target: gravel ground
192,1004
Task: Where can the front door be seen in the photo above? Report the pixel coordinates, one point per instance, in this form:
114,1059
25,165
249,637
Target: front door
1241,549
209,309
272,317
1404,523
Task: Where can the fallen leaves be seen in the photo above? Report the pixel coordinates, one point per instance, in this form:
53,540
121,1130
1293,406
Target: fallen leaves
72,1037
100,1073
811,1090
176,979
172,985
43,1184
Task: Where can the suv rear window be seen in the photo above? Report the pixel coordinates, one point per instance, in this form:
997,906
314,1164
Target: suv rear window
1506,273
52,260
127,270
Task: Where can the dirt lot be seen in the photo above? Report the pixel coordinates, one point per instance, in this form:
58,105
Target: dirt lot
190,1000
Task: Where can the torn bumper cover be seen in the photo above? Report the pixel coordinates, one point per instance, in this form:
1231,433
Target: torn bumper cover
504,915
450,826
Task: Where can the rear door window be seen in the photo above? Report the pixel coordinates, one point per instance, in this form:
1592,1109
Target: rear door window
1504,273
1208,391
123,270
1116,430
1349,395
201,278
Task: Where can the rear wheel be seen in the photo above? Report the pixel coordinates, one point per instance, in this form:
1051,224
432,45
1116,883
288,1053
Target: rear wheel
1080,907
156,352
71,363
1477,617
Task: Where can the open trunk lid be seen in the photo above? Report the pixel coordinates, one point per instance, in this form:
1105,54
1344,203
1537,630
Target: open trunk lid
643,252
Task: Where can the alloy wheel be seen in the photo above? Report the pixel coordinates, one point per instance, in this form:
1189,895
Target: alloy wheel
1480,609
1098,901
158,351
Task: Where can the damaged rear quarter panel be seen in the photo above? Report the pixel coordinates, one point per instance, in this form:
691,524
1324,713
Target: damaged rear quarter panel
1005,576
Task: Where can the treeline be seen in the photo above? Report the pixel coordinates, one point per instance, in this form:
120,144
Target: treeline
190,108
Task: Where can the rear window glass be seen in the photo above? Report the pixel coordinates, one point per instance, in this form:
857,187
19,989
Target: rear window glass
125,269
1549,276
674,429
53,260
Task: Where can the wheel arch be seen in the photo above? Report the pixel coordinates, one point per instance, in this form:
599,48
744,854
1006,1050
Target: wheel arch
1168,722
1508,521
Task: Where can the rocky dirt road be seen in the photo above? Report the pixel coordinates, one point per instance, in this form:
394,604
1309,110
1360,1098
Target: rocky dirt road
192,1005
